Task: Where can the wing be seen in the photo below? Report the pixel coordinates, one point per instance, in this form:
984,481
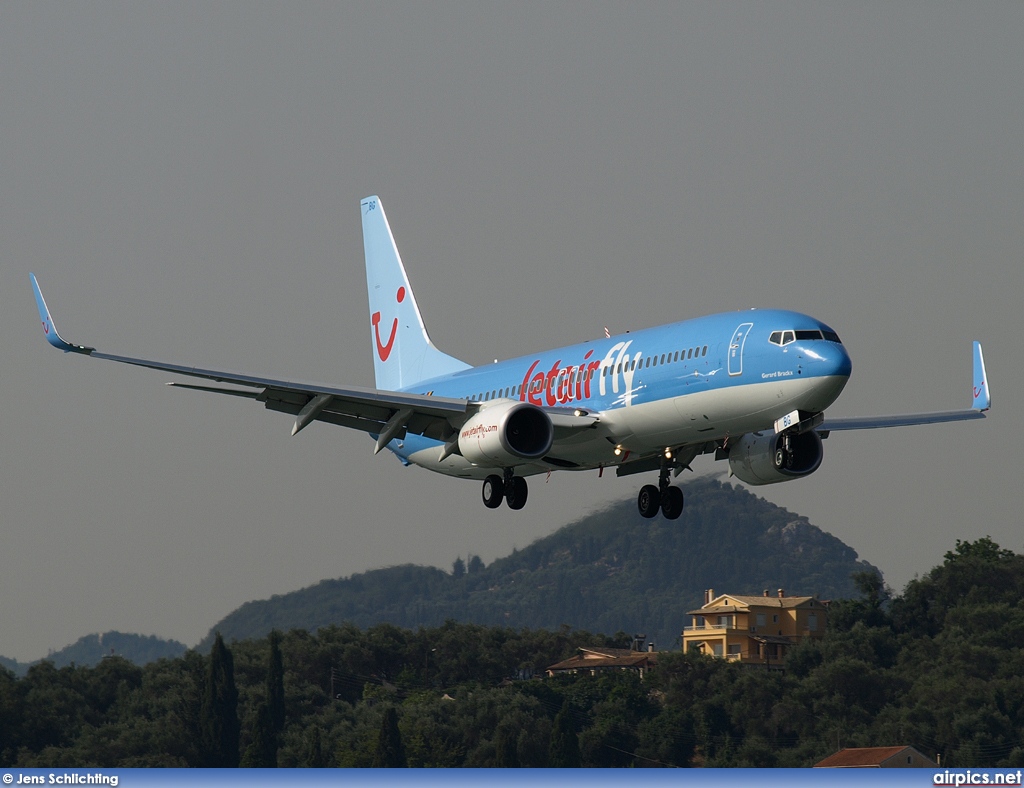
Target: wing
388,414
981,402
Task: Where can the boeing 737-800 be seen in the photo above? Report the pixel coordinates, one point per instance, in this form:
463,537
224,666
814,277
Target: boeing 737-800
751,388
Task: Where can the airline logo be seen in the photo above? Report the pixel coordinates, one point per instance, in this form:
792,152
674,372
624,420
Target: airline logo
479,430
384,348
560,385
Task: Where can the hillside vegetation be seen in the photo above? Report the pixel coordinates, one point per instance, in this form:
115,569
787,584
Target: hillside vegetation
89,650
610,571
940,667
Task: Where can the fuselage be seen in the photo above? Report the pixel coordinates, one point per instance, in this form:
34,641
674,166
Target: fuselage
676,385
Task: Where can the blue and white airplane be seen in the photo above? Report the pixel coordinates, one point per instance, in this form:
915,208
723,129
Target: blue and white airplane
751,388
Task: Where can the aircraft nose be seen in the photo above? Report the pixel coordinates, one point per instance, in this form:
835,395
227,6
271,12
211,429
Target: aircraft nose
829,359
839,360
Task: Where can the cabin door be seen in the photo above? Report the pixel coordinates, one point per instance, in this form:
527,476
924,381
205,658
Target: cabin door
739,339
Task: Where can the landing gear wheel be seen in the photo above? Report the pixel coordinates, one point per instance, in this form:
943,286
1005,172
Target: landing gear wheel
515,494
781,459
649,501
493,491
672,503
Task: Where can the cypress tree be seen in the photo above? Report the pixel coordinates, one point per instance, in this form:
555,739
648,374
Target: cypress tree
389,753
262,751
275,684
506,751
313,752
564,751
218,716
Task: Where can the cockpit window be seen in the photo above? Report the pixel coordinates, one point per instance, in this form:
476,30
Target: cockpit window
785,337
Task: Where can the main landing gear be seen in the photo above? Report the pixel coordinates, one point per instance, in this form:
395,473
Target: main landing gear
511,488
666,497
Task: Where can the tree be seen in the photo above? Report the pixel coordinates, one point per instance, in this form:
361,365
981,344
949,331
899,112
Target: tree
262,751
313,754
564,751
389,753
869,609
458,568
275,684
506,753
219,724
476,564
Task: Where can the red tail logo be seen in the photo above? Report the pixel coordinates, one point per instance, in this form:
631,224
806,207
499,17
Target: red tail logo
384,348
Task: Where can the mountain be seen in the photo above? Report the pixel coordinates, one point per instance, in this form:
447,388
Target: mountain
611,571
89,650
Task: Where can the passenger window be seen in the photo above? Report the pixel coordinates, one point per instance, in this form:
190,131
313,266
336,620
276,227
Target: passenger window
705,351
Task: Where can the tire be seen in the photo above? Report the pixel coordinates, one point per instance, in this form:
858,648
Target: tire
493,491
781,459
672,503
516,495
649,501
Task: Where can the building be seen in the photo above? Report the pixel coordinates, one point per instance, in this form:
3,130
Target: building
877,758
599,660
754,630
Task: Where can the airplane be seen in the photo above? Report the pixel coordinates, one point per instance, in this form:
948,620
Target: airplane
749,387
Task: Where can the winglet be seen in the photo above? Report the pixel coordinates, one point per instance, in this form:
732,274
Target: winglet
50,329
982,396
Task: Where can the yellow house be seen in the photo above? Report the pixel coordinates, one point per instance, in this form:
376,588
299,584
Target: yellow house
754,630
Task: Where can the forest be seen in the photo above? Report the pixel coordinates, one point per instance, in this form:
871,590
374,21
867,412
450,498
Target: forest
939,667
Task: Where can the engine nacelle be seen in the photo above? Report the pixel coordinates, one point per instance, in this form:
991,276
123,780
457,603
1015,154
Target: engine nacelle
505,434
761,459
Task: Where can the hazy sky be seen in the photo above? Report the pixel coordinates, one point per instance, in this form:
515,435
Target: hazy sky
184,179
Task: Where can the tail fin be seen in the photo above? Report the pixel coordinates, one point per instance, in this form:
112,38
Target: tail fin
402,351
982,396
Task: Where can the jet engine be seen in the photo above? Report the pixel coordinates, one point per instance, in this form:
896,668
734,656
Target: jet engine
505,434
758,458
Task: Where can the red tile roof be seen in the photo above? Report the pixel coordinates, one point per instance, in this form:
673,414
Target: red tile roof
861,756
